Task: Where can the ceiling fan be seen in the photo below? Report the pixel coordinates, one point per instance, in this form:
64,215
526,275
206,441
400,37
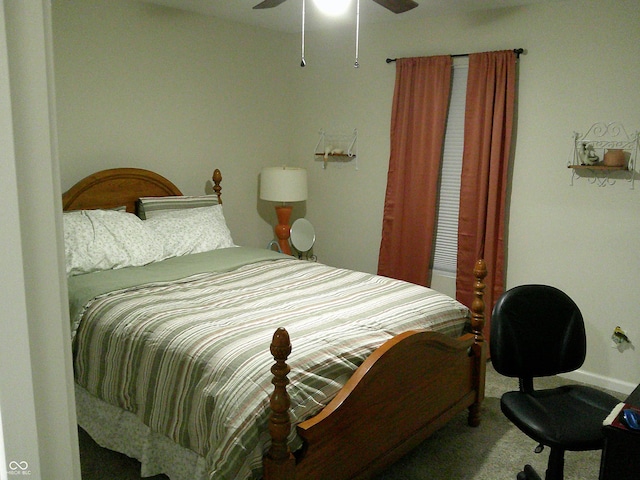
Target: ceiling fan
396,6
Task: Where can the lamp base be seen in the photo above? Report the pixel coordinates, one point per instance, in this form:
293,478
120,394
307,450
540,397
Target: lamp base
283,228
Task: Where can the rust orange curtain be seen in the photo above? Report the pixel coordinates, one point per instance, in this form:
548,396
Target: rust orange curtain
418,123
489,117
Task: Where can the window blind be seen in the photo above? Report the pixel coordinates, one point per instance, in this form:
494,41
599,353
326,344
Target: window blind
446,237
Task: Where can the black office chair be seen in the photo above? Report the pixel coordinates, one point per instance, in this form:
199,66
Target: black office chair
538,331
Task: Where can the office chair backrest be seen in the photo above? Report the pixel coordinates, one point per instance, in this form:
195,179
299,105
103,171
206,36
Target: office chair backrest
536,331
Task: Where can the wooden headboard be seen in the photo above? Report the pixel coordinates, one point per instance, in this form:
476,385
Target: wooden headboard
118,187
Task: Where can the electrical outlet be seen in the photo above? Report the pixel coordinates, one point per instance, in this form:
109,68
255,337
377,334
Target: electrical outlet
620,336
621,340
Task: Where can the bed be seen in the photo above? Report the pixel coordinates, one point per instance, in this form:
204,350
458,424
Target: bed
185,360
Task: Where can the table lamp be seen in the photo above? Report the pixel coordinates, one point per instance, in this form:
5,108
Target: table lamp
284,185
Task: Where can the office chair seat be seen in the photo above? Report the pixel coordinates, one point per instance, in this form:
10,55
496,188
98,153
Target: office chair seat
568,417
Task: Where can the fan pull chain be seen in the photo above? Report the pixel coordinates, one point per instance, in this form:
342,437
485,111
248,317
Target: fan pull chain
303,62
356,64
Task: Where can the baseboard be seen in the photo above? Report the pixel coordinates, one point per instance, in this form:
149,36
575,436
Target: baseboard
600,381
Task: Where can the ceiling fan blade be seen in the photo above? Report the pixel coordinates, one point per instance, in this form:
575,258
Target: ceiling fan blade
397,6
268,4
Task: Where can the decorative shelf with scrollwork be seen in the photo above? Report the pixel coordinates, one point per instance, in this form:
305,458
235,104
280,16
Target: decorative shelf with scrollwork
604,154
333,147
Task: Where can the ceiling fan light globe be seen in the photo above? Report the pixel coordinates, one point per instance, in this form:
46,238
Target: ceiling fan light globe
332,7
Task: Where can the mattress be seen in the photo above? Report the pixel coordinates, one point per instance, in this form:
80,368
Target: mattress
177,352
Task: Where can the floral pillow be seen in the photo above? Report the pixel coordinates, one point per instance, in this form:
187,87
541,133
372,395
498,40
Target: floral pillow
106,239
193,230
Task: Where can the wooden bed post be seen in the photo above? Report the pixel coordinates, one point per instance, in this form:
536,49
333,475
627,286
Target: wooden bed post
479,346
217,178
279,462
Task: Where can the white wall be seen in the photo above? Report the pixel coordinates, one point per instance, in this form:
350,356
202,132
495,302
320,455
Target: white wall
36,380
580,67
179,93
16,396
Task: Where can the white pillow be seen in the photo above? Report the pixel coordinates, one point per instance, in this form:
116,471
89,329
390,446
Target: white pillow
106,239
193,230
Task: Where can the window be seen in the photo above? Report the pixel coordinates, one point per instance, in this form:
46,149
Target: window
446,237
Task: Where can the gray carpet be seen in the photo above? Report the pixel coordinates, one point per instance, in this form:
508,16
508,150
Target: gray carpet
493,451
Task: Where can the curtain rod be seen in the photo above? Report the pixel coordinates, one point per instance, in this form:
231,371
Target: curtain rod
517,51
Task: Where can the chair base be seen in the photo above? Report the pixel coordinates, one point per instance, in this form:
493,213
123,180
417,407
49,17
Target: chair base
528,474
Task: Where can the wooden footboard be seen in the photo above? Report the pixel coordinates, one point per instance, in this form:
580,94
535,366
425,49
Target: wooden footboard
407,389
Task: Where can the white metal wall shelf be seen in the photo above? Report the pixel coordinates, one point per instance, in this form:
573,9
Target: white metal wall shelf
333,147
592,150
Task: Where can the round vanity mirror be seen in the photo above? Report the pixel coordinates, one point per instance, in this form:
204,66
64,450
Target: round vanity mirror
303,235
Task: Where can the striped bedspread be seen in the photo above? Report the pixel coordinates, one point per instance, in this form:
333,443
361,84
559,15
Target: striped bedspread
191,357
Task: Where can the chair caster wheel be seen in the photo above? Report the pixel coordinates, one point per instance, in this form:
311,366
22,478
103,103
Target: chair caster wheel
528,474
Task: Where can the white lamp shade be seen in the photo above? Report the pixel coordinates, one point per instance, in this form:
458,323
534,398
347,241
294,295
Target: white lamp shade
283,184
